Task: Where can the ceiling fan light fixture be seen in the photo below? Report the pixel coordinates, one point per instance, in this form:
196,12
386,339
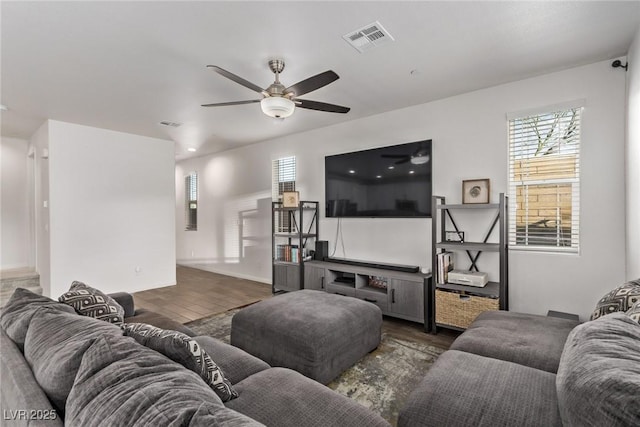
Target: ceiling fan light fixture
419,160
278,107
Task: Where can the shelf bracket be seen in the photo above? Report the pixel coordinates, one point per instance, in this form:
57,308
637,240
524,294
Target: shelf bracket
455,226
313,220
486,237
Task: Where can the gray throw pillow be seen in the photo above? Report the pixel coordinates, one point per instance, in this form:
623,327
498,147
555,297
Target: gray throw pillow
619,299
598,381
54,346
185,350
91,302
21,307
634,312
121,383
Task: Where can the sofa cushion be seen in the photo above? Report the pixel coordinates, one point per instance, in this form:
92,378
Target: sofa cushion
54,346
528,339
91,302
600,370
20,308
121,382
464,389
621,298
634,312
186,351
285,398
237,364
20,390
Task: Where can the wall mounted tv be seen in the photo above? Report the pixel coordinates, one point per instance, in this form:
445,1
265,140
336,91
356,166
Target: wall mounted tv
393,182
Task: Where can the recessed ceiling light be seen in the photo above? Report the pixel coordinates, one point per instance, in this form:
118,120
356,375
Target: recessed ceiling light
378,176
191,149
352,171
392,167
411,172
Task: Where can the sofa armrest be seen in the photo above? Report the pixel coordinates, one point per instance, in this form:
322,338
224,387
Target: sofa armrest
125,299
236,363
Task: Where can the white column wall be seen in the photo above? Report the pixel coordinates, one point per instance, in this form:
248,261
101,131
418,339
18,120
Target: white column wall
39,144
111,209
14,180
632,158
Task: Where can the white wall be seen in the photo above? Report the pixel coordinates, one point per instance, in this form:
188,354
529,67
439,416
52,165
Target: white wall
632,157
14,179
111,209
469,135
39,144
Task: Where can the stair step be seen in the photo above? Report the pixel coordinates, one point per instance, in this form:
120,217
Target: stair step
11,279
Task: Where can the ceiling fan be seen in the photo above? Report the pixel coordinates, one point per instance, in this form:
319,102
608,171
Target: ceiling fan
279,101
419,157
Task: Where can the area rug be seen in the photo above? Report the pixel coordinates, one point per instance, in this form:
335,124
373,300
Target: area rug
381,381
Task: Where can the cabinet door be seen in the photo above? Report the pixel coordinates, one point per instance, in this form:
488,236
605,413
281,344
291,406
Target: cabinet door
314,277
407,299
293,278
279,276
286,277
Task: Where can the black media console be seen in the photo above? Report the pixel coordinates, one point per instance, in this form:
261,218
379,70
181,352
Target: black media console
394,267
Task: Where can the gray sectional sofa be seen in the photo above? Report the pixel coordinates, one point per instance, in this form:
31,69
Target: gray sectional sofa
56,364
513,369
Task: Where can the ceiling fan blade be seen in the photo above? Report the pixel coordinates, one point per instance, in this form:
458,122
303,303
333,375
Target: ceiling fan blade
223,104
235,78
399,162
320,106
394,156
312,83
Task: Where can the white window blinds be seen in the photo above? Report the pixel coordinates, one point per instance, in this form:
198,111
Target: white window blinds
544,181
283,176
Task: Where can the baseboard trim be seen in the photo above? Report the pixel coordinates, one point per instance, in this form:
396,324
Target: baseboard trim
195,264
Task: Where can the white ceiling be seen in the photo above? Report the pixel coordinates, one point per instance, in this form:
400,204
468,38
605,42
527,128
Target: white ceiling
129,65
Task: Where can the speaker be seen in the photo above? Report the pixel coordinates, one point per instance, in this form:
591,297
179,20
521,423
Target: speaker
322,250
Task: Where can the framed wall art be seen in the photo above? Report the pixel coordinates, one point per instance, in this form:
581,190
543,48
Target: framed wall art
475,191
290,199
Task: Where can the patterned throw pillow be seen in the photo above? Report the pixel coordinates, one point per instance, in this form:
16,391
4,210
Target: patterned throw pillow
634,312
89,301
185,350
619,299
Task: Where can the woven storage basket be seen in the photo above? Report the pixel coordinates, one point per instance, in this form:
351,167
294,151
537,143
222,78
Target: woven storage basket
459,310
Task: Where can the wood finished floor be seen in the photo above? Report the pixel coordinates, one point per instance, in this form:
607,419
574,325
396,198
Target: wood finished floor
200,293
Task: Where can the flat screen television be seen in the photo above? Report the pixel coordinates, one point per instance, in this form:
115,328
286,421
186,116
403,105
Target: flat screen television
392,182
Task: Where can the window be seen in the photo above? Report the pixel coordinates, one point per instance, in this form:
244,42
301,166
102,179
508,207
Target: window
283,178
191,201
544,180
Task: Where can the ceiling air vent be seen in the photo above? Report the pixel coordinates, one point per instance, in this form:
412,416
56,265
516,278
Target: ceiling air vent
170,124
368,37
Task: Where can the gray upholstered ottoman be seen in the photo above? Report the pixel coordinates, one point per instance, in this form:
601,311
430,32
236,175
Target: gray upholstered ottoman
313,332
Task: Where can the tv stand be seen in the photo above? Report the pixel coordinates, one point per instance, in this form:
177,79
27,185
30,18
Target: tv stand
398,292
394,267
